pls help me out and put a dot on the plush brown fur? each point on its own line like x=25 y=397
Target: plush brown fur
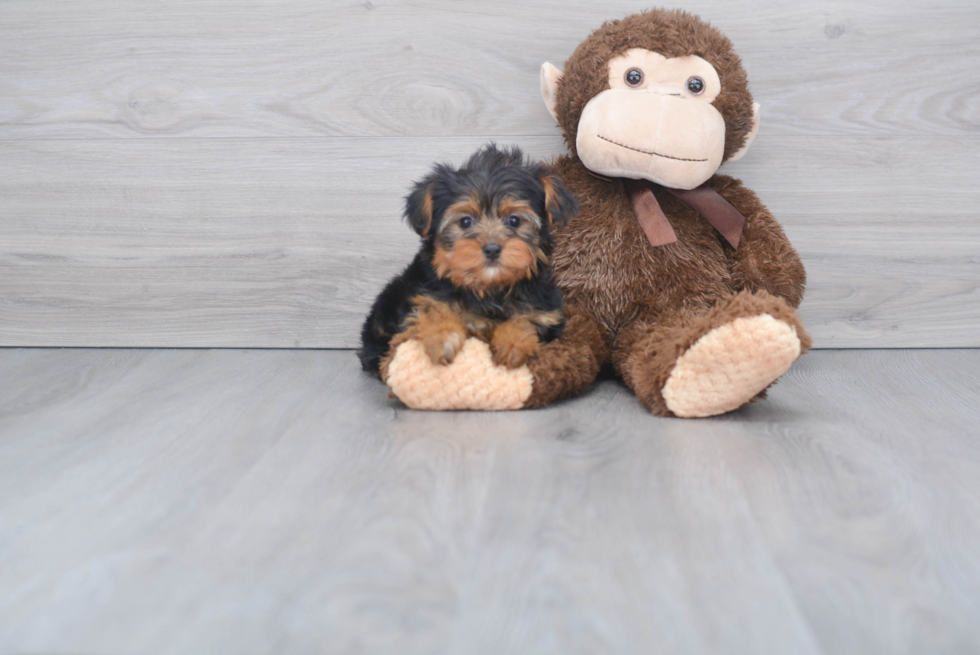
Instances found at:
x=646 y=351
x=642 y=306
x=566 y=366
x=639 y=306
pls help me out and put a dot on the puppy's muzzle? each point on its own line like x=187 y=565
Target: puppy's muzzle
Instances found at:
x=492 y=251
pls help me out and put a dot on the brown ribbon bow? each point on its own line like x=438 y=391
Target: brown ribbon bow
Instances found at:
x=703 y=199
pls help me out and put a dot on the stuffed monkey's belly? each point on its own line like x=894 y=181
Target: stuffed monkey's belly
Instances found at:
x=630 y=278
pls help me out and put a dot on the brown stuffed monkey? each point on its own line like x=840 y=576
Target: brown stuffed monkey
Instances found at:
x=681 y=278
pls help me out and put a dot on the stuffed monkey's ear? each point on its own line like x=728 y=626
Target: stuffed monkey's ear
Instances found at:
x=559 y=203
x=418 y=208
x=549 y=87
x=751 y=135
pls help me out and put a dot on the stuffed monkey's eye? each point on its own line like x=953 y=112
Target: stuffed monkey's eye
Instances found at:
x=634 y=77
x=466 y=222
x=695 y=85
x=513 y=221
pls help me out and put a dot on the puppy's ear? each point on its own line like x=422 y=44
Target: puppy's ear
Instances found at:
x=418 y=207
x=559 y=203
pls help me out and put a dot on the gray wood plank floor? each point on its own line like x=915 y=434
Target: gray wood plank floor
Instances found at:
x=277 y=502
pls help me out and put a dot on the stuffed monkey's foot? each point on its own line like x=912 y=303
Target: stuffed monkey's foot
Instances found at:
x=707 y=363
x=730 y=365
x=471 y=381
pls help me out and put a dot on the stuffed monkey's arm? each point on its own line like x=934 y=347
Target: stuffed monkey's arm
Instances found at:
x=764 y=259
x=562 y=367
x=567 y=366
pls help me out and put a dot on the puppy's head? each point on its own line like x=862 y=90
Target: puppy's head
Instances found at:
x=488 y=224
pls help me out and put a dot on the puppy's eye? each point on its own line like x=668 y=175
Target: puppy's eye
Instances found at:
x=696 y=86
x=466 y=222
x=634 y=77
x=513 y=221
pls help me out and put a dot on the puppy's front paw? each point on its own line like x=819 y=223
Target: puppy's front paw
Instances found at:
x=514 y=343
x=442 y=345
x=513 y=356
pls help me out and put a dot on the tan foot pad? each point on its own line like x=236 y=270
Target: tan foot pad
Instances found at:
x=470 y=382
x=729 y=365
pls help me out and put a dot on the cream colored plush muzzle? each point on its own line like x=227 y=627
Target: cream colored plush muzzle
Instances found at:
x=657 y=134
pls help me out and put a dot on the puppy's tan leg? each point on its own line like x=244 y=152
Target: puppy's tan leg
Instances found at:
x=514 y=342
x=437 y=326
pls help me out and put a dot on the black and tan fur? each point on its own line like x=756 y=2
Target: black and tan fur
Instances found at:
x=483 y=268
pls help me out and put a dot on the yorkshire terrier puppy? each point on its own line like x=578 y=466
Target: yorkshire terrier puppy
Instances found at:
x=483 y=266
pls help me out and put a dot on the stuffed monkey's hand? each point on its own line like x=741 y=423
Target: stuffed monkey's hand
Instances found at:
x=471 y=381
x=560 y=368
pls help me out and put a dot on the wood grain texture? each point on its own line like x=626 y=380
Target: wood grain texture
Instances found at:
x=309 y=68
x=230 y=173
x=285 y=243
x=277 y=501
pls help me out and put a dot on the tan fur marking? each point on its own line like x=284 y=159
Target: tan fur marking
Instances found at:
x=548 y=182
x=437 y=326
x=489 y=231
x=545 y=319
x=462 y=264
x=466 y=207
x=510 y=206
x=427 y=210
x=442 y=260
x=518 y=263
x=478 y=326
x=466 y=267
x=385 y=362
x=514 y=342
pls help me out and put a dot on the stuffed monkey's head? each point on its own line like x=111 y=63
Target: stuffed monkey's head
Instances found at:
x=658 y=96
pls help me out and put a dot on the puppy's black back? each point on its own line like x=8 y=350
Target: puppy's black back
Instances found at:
x=391 y=308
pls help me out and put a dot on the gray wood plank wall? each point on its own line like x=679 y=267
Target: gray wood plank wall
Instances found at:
x=230 y=173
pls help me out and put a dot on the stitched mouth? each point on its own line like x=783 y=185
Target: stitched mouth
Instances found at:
x=646 y=152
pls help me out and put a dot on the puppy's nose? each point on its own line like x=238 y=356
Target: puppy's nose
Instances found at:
x=492 y=250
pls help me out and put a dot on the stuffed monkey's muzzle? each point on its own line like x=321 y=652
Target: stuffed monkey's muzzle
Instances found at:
x=658 y=134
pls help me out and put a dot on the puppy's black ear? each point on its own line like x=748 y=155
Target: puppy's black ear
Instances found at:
x=559 y=203
x=418 y=207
